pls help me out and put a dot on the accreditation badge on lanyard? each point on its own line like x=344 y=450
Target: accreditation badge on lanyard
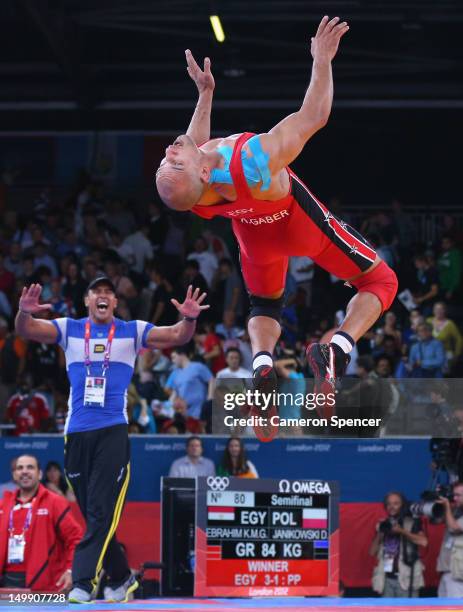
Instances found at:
x=17 y=543
x=95 y=386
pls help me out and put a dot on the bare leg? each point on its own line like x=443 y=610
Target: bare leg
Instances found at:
x=264 y=333
x=362 y=311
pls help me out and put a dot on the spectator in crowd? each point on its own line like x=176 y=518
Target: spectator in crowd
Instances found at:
x=45 y=362
x=28 y=409
x=36 y=553
x=450 y=560
x=74 y=289
x=207 y=261
x=189 y=380
x=163 y=312
x=13 y=263
x=12 y=356
x=399 y=571
x=55 y=481
x=234 y=461
x=302 y=270
x=234 y=369
x=410 y=335
x=427 y=356
x=192 y=276
x=227 y=329
x=118 y=245
x=193 y=463
x=445 y=330
x=449 y=267
x=42 y=258
x=139 y=242
x=10 y=485
x=227 y=290
x=6 y=278
x=123 y=284
x=158 y=226
x=389 y=328
x=426 y=287
x=209 y=347
x=60 y=306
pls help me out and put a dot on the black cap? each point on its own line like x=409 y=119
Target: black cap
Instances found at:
x=101 y=280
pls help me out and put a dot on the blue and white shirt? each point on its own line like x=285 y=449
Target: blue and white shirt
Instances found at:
x=129 y=338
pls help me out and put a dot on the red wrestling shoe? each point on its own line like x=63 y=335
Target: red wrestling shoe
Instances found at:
x=266 y=382
x=328 y=363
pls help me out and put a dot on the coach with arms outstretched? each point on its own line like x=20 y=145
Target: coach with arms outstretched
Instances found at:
x=100 y=355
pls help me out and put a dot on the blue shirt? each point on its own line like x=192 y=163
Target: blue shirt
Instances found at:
x=430 y=353
x=191 y=383
x=129 y=338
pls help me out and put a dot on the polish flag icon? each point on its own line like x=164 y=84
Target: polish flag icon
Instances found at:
x=221 y=513
x=315 y=518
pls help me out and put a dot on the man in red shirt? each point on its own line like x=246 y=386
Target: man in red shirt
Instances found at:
x=27 y=409
x=246 y=178
x=38 y=533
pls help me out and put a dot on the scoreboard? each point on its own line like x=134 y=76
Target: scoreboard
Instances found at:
x=265 y=537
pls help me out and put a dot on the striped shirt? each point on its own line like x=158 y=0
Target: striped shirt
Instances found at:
x=129 y=338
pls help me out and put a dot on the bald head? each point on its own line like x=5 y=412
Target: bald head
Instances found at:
x=179 y=191
x=181 y=175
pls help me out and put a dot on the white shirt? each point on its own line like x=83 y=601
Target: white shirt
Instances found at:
x=239 y=373
x=296 y=263
x=142 y=249
x=185 y=468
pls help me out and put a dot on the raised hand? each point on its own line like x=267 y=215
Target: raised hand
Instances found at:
x=325 y=43
x=203 y=78
x=29 y=300
x=191 y=307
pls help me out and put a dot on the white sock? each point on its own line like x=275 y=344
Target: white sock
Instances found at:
x=262 y=358
x=344 y=341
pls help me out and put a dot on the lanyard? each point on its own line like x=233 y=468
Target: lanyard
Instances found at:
x=107 y=353
x=27 y=522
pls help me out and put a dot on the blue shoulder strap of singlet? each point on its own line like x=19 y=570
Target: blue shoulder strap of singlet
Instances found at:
x=261 y=160
x=255 y=168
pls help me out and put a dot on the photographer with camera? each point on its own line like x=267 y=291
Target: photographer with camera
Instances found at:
x=399 y=572
x=450 y=560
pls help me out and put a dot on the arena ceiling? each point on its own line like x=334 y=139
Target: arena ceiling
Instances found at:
x=113 y=56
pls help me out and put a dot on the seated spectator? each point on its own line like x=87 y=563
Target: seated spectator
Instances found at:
x=162 y=311
x=234 y=461
x=123 y=284
x=389 y=328
x=207 y=261
x=55 y=481
x=447 y=332
x=189 y=380
x=178 y=410
x=395 y=545
x=74 y=289
x=6 y=278
x=39 y=559
x=142 y=249
x=226 y=290
x=139 y=411
x=28 y=409
x=209 y=346
x=426 y=287
x=427 y=356
x=193 y=463
x=13 y=351
x=410 y=335
x=449 y=268
x=43 y=259
x=233 y=359
x=13 y=263
x=123 y=250
x=192 y=276
x=60 y=307
x=227 y=329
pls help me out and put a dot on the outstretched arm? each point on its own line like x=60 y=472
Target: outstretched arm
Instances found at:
x=182 y=332
x=200 y=125
x=286 y=140
x=34 y=329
